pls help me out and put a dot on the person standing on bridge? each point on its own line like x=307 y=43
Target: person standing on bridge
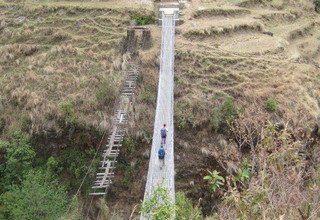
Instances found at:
x=163 y=133
x=161 y=154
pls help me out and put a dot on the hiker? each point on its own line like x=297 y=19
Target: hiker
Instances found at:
x=163 y=132
x=161 y=154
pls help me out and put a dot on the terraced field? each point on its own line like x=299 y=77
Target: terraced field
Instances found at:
x=57 y=52
x=250 y=50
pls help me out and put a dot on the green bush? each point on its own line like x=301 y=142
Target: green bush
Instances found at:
x=106 y=93
x=54 y=166
x=143 y=19
x=222 y=116
x=159 y=206
x=185 y=209
x=216 y=119
x=67 y=108
x=244 y=174
x=184 y=115
x=317 y=5
x=130 y=144
x=271 y=105
x=184 y=121
x=37 y=198
x=18 y=159
x=147 y=96
x=228 y=109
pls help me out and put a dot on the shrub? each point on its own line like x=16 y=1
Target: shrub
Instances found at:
x=147 y=96
x=223 y=116
x=37 y=198
x=185 y=209
x=228 y=109
x=18 y=159
x=184 y=121
x=54 y=166
x=317 y=5
x=159 y=206
x=215 y=180
x=106 y=93
x=67 y=109
x=271 y=105
x=130 y=144
x=216 y=119
x=143 y=19
x=184 y=115
x=244 y=174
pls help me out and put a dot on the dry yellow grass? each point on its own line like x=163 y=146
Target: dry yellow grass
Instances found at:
x=58 y=51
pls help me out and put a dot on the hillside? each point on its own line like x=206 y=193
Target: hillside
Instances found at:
x=247 y=98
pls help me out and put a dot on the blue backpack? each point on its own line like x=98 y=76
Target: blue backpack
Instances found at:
x=161 y=153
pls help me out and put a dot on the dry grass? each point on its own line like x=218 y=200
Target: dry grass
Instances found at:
x=52 y=52
x=221 y=53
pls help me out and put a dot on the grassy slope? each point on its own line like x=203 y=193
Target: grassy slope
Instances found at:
x=221 y=52
x=64 y=50
x=54 y=52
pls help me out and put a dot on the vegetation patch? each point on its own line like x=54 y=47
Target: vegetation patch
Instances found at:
x=143 y=19
x=223 y=116
x=317 y=5
x=271 y=104
x=106 y=93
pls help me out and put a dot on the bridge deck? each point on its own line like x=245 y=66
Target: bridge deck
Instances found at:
x=164 y=113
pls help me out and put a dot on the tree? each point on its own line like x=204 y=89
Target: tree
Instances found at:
x=38 y=197
x=18 y=159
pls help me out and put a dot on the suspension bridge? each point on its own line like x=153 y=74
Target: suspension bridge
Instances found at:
x=164 y=113
x=156 y=177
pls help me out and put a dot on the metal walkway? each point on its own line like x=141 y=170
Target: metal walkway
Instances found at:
x=112 y=149
x=164 y=112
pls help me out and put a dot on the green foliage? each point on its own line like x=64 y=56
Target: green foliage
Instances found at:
x=143 y=19
x=184 y=121
x=271 y=104
x=244 y=173
x=68 y=110
x=125 y=166
x=147 y=96
x=74 y=209
x=18 y=159
x=74 y=163
x=317 y=5
x=228 y=109
x=159 y=206
x=2 y=124
x=37 y=198
x=130 y=145
x=139 y=79
x=216 y=119
x=25 y=122
x=222 y=116
x=106 y=93
x=215 y=180
x=184 y=115
x=185 y=209
x=130 y=171
x=54 y=166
